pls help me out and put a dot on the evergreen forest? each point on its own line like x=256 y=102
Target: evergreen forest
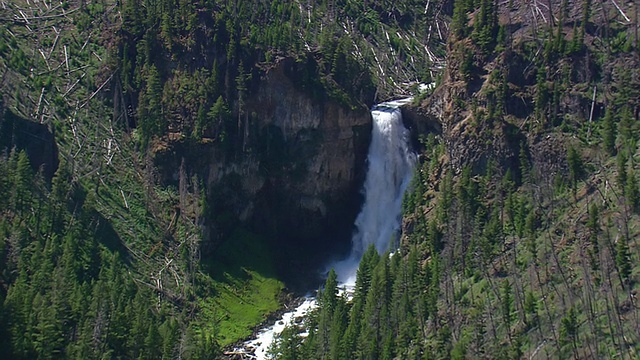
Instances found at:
x=155 y=198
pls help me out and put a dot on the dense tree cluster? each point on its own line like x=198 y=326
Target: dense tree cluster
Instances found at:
x=178 y=58
x=67 y=291
x=389 y=309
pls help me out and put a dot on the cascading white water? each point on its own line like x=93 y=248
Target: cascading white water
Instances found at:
x=391 y=165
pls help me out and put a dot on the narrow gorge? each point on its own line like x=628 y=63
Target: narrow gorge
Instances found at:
x=390 y=166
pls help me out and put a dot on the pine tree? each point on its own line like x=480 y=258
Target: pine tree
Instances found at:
x=150 y=106
x=628 y=131
x=530 y=231
x=434 y=237
x=376 y=312
x=507 y=304
x=5 y=183
x=17 y=307
x=365 y=272
x=531 y=309
x=22 y=182
x=621 y=177
x=594 y=231
x=542 y=96
x=485 y=26
x=338 y=328
x=569 y=327
x=219 y=115
x=132 y=16
x=327 y=301
x=524 y=165
x=241 y=86
x=166 y=28
x=631 y=192
x=363 y=281
x=576 y=168
x=459 y=21
x=288 y=344
x=152 y=343
x=47 y=337
x=623 y=258
x=201 y=119
x=609 y=132
x=59 y=196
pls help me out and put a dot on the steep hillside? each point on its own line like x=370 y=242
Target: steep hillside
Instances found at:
x=520 y=234
x=539 y=131
x=276 y=97
x=165 y=163
x=95 y=259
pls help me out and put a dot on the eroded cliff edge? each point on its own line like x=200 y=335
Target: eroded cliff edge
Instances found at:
x=296 y=178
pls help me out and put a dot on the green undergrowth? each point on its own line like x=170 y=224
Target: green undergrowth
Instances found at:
x=246 y=289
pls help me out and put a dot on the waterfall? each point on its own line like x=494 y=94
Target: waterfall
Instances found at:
x=390 y=168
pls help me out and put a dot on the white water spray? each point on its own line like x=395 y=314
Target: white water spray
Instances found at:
x=391 y=165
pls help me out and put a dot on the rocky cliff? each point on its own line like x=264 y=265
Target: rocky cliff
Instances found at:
x=19 y=134
x=297 y=175
x=501 y=99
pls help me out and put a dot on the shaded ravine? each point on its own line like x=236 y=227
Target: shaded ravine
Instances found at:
x=390 y=168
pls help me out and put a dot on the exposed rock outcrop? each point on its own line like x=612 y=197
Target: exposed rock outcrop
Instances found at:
x=34 y=138
x=297 y=177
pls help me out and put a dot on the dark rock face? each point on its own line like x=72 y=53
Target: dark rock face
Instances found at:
x=422 y=120
x=549 y=156
x=34 y=138
x=297 y=177
x=317 y=165
x=475 y=145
